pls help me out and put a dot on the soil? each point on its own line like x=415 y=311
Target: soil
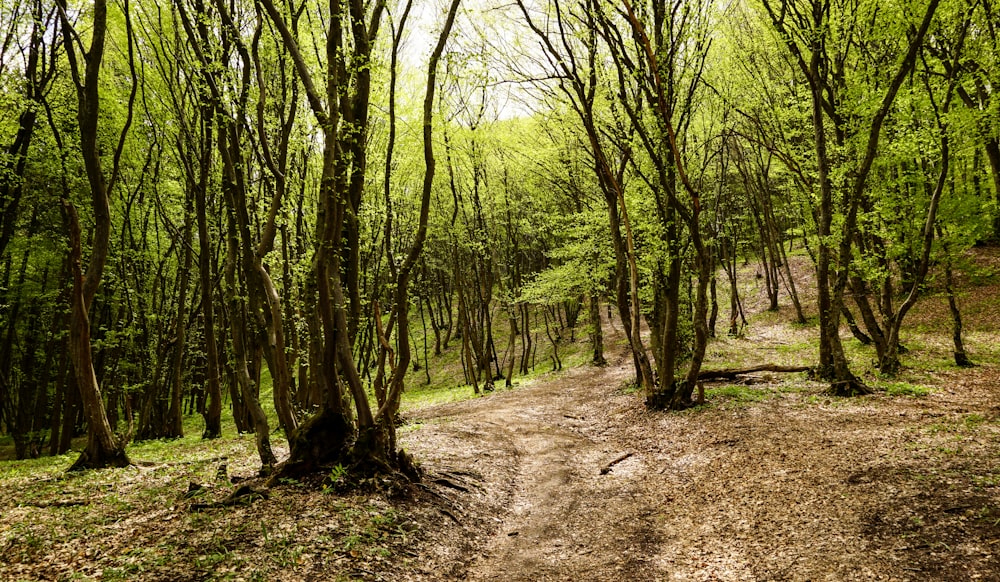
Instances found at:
x=797 y=486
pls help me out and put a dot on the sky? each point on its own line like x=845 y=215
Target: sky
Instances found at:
x=485 y=35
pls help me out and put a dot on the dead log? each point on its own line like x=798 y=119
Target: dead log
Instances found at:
x=732 y=373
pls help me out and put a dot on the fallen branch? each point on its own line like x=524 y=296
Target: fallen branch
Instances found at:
x=61 y=503
x=732 y=373
x=607 y=468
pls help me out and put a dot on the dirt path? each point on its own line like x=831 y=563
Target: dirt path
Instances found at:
x=565 y=520
x=788 y=486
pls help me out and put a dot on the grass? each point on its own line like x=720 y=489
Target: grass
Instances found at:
x=167 y=541
x=961 y=427
x=737 y=394
x=903 y=389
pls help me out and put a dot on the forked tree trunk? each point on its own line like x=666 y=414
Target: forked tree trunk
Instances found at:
x=812 y=60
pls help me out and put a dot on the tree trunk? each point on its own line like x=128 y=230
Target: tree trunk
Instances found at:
x=713 y=316
x=103 y=448
x=992 y=147
x=596 y=331
x=961 y=358
x=247 y=388
x=700 y=317
x=213 y=371
x=175 y=414
x=853 y=325
x=511 y=346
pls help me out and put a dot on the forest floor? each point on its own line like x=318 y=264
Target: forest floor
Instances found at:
x=569 y=477
x=774 y=481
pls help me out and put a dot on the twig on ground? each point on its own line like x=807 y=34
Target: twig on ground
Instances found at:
x=607 y=468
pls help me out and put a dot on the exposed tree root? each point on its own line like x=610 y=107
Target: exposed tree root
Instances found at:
x=667 y=400
x=849 y=388
x=449 y=483
x=327 y=451
x=100 y=460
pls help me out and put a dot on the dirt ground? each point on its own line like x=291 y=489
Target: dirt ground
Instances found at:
x=795 y=486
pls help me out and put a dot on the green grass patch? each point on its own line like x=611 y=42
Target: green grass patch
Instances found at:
x=420 y=396
x=737 y=394
x=904 y=389
x=441 y=379
x=967 y=424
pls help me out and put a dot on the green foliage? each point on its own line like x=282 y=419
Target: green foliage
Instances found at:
x=583 y=265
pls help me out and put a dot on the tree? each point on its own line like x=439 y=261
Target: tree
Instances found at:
x=103 y=447
x=807 y=30
x=342 y=115
x=569 y=42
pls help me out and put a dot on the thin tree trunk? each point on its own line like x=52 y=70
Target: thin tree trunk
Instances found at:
x=556 y=362
x=853 y=325
x=213 y=371
x=247 y=389
x=596 y=331
x=175 y=418
x=961 y=358
x=511 y=346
